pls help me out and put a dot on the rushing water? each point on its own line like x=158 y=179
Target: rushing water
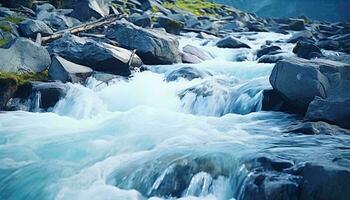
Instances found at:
x=148 y=138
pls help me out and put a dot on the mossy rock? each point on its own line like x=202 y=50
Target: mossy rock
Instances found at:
x=196 y=7
x=14 y=19
x=3 y=42
x=23 y=78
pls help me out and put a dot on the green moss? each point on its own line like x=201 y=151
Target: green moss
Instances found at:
x=22 y=79
x=197 y=7
x=3 y=42
x=155 y=9
x=14 y=19
x=6 y=28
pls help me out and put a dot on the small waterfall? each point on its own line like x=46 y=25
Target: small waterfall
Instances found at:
x=36 y=102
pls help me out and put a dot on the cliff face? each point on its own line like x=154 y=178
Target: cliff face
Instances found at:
x=325 y=10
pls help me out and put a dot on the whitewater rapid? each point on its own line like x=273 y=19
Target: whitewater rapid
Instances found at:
x=137 y=139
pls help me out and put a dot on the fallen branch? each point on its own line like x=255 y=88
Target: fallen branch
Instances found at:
x=84 y=27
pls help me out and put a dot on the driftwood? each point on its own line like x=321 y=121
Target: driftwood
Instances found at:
x=200 y=30
x=84 y=27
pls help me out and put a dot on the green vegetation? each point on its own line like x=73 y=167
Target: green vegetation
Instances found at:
x=197 y=7
x=3 y=42
x=14 y=19
x=24 y=78
x=6 y=28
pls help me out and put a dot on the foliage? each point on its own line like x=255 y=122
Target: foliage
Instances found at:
x=14 y=19
x=24 y=78
x=6 y=28
x=197 y=7
x=3 y=42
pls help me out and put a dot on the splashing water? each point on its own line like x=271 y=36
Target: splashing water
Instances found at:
x=146 y=138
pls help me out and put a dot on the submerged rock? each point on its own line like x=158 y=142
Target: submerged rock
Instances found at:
x=270 y=50
x=231 y=42
x=154 y=47
x=188 y=73
x=65 y=71
x=317 y=128
x=23 y=55
x=96 y=55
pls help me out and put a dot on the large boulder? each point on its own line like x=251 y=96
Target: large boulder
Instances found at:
x=335 y=111
x=30 y=28
x=154 y=47
x=299 y=81
x=66 y=71
x=307 y=50
x=96 y=55
x=231 y=42
x=86 y=9
x=295 y=25
x=305 y=36
x=23 y=55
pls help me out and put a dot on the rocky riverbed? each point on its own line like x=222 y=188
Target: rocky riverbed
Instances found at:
x=172 y=99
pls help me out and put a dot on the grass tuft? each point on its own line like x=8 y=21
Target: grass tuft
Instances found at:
x=14 y=19
x=22 y=79
x=196 y=7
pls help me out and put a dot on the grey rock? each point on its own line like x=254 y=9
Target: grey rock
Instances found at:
x=335 y=111
x=23 y=55
x=96 y=55
x=86 y=9
x=271 y=58
x=201 y=54
x=317 y=128
x=65 y=71
x=270 y=50
x=57 y=20
x=295 y=25
x=305 y=36
x=273 y=101
x=190 y=58
x=30 y=28
x=231 y=42
x=8 y=88
x=154 y=47
x=299 y=81
x=141 y=20
x=44 y=7
x=307 y=50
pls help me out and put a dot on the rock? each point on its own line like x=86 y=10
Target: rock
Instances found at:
x=44 y=7
x=305 y=36
x=141 y=20
x=50 y=93
x=271 y=58
x=96 y=55
x=307 y=50
x=231 y=42
x=23 y=55
x=188 y=73
x=270 y=50
x=195 y=51
x=206 y=36
x=335 y=111
x=299 y=81
x=154 y=47
x=190 y=58
x=57 y=20
x=273 y=101
x=323 y=182
x=296 y=25
x=328 y=44
x=5 y=12
x=17 y=3
x=65 y=71
x=317 y=128
x=8 y=87
x=86 y=9
x=30 y=28
x=171 y=26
